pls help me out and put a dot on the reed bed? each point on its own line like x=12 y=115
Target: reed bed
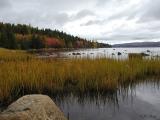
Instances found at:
x=14 y=55
x=22 y=73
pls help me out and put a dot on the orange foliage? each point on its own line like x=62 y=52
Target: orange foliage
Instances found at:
x=53 y=42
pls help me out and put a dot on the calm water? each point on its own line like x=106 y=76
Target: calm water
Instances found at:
x=139 y=102
x=112 y=52
x=104 y=52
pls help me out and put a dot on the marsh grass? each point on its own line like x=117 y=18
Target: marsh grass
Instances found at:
x=22 y=73
x=14 y=55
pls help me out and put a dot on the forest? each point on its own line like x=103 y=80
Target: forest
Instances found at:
x=24 y=37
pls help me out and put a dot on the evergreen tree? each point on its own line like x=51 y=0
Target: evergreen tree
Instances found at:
x=11 y=43
x=4 y=39
x=1 y=42
x=36 y=42
x=27 y=37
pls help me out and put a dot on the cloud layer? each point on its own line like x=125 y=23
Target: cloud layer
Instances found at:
x=113 y=21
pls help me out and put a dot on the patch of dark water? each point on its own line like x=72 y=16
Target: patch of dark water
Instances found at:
x=137 y=102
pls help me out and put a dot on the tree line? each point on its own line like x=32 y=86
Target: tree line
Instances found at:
x=27 y=37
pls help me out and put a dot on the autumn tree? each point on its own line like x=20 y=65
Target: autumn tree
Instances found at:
x=18 y=36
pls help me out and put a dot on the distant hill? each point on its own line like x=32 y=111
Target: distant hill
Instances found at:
x=138 y=44
x=27 y=37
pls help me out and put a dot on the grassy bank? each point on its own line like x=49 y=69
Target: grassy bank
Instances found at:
x=21 y=73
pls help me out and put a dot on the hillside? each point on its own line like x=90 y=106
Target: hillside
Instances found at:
x=27 y=37
x=139 y=44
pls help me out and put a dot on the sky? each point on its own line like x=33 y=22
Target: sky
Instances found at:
x=109 y=21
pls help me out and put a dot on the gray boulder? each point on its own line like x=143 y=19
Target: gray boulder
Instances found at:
x=33 y=107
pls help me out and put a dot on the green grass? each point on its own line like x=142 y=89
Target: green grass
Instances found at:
x=22 y=73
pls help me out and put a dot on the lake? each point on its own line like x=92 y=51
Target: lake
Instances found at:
x=139 y=102
x=116 y=53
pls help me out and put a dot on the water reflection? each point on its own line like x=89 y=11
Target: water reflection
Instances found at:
x=139 y=101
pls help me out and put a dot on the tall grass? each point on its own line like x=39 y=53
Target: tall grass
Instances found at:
x=22 y=73
x=13 y=55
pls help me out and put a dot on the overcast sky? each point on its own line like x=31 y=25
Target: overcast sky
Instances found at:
x=112 y=21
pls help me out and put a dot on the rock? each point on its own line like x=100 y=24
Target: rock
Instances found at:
x=33 y=107
x=76 y=53
x=73 y=53
x=119 y=53
x=148 y=51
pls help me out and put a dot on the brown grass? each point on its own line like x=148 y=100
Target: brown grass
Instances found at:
x=22 y=73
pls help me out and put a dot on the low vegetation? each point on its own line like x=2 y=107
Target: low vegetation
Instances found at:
x=22 y=73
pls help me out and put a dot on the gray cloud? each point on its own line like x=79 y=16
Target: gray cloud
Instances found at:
x=83 y=13
x=150 y=11
x=102 y=2
x=129 y=14
x=4 y=4
x=118 y=38
x=93 y=22
x=60 y=18
x=108 y=19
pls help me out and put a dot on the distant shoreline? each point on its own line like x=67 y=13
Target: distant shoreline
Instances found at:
x=137 y=44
